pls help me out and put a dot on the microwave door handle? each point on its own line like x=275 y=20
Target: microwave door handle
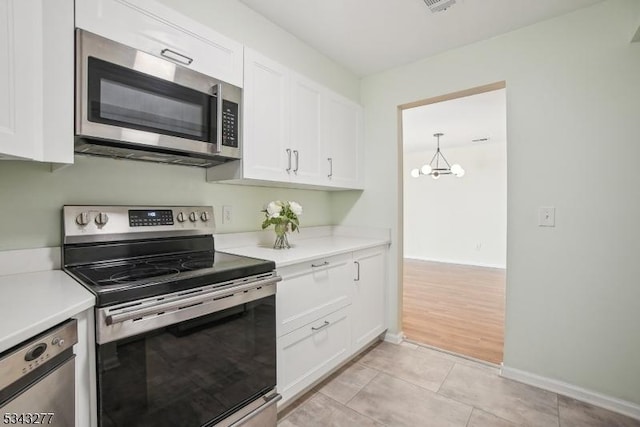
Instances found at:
x=217 y=91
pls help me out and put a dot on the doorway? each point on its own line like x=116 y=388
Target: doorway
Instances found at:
x=454 y=223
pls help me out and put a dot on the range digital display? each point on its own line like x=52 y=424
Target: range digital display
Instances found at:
x=145 y=218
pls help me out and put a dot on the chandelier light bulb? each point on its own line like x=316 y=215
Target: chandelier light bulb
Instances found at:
x=426 y=169
x=460 y=173
x=435 y=175
x=456 y=169
x=415 y=172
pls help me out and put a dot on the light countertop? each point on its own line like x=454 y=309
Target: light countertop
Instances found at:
x=31 y=303
x=304 y=250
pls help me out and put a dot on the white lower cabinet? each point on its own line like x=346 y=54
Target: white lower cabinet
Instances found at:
x=308 y=353
x=368 y=306
x=327 y=311
x=311 y=290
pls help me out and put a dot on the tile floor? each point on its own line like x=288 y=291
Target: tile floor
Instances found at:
x=409 y=385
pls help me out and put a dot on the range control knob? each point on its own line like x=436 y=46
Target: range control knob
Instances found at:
x=193 y=217
x=83 y=218
x=180 y=217
x=57 y=341
x=205 y=216
x=102 y=218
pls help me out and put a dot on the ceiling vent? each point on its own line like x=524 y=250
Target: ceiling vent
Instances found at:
x=439 y=5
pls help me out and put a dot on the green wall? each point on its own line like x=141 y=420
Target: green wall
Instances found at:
x=573 y=97
x=31 y=196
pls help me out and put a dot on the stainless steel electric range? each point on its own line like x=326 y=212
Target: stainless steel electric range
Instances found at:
x=185 y=335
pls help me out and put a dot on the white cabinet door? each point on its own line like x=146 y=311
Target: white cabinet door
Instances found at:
x=310 y=352
x=266 y=154
x=368 y=308
x=297 y=132
x=36 y=80
x=18 y=72
x=159 y=30
x=306 y=108
x=342 y=139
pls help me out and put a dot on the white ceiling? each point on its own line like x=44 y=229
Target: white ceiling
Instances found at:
x=460 y=120
x=368 y=36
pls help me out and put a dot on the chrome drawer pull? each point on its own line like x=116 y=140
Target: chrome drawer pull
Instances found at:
x=330 y=167
x=320 y=265
x=324 y=325
x=175 y=56
x=288 y=150
x=357 y=279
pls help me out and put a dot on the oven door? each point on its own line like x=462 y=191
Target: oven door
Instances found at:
x=194 y=372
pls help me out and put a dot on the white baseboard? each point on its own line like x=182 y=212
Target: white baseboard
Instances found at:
x=597 y=399
x=394 y=338
x=456 y=261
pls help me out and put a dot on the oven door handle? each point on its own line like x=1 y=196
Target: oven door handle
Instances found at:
x=185 y=302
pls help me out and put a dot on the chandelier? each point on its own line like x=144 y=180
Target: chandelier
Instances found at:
x=438 y=165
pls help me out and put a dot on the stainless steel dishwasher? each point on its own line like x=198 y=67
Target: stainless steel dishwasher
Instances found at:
x=37 y=379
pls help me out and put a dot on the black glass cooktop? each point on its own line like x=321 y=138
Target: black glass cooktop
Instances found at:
x=127 y=280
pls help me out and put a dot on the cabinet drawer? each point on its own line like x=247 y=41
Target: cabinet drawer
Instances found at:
x=312 y=290
x=153 y=27
x=308 y=353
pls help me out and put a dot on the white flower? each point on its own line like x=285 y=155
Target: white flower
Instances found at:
x=295 y=208
x=274 y=209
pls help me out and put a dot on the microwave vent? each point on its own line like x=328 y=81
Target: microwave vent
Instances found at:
x=439 y=5
x=112 y=149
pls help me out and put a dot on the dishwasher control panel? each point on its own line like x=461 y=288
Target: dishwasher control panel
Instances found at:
x=33 y=353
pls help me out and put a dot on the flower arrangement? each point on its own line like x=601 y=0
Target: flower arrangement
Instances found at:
x=282 y=215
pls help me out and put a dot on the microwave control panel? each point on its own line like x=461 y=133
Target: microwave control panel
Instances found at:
x=229 y=124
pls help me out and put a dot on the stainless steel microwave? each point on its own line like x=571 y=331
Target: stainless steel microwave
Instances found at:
x=139 y=106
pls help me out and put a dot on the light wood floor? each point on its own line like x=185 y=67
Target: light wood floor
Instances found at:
x=459 y=308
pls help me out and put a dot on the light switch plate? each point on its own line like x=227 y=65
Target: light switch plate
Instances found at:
x=227 y=214
x=547 y=217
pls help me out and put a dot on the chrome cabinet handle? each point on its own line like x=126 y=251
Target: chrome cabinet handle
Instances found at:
x=320 y=265
x=330 y=167
x=217 y=91
x=324 y=325
x=357 y=279
x=175 y=56
x=295 y=153
x=288 y=150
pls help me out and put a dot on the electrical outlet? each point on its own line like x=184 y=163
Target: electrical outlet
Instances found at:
x=547 y=217
x=227 y=214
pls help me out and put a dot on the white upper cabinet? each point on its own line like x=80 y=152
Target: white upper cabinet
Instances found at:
x=297 y=133
x=265 y=120
x=156 y=29
x=36 y=80
x=281 y=137
x=341 y=141
x=306 y=123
